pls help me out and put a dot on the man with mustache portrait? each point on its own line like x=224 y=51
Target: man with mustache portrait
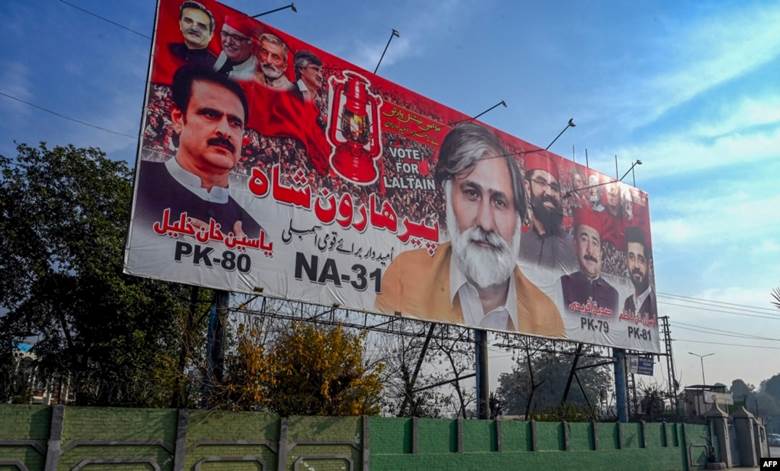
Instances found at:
x=474 y=279
x=585 y=291
x=546 y=244
x=196 y=24
x=272 y=63
x=641 y=304
x=208 y=118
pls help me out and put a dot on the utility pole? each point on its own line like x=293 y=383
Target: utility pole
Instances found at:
x=483 y=384
x=701 y=359
x=671 y=377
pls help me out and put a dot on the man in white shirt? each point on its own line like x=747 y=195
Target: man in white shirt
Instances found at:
x=272 y=67
x=237 y=59
x=474 y=279
x=308 y=75
x=196 y=24
x=208 y=117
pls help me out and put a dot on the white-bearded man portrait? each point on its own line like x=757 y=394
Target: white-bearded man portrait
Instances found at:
x=474 y=279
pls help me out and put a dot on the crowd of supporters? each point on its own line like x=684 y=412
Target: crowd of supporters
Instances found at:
x=420 y=205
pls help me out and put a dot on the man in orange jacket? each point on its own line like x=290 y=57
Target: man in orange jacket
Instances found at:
x=474 y=279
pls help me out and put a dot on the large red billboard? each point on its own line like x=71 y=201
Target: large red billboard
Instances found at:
x=268 y=165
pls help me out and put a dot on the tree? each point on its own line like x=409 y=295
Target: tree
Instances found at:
x=402 y=394
x=460 y=359
x=771 y=387
x=652 y=402
x=306 y=370
x=764 y=404
x=537 y=382
x=741 y=390
x=117 y=338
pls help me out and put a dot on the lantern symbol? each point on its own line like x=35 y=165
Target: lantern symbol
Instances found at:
x=353 y=129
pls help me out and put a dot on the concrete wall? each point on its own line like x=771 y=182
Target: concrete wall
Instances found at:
x=75 y=438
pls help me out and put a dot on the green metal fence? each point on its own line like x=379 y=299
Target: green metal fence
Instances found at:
x=76 y=438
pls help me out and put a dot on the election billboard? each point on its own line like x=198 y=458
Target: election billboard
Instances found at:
x=269 y=165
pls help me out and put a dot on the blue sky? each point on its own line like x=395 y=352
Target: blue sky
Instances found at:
x=690 y=88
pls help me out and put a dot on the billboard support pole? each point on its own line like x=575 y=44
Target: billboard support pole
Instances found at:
x=617 y=173
x=408 y=395
x=584 y=394
x=621 y=403
x=217 y=350
x=572 y=372
x=483 y=385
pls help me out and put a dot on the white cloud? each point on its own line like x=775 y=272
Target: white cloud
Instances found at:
x=717 y=220
x=747 y=113
x=690 y=60
x=674 y=230
x=367 y=55
x=685 y=152
x=413 y=31
x=717 y=50
x=766 y=246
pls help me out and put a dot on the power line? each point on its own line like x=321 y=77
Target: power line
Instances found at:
x=728 y=332
x=692 y=299
x=768 y=312
x=726 y=344
x=692 y=329
x=733 y=313
x=68 y=118
x=696 y=305
x=705 y=330
x=118 y=25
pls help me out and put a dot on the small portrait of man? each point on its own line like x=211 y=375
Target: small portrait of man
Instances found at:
x=208 y=118
x=614 y=219
x=577 y=180
x=196 y=24
x=308 y=75
x=585 y=291
x=578 y=184
x=546 y=244
x=474 y=279
x=237 y=59
x=594 y=193
x=612 y=192
x=641 y=303
x=272 y=67
x=627 y=204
